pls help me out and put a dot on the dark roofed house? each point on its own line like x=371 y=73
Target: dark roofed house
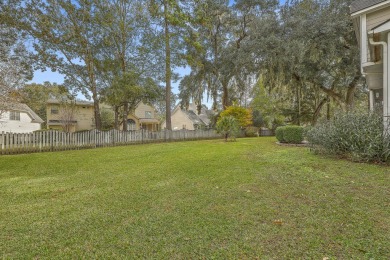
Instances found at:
x=359 y=5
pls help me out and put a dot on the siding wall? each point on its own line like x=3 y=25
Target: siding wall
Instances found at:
x=142 y=108
x=23 y=126
x=179 y=118
x=84 y=115
x=85 y=118
x=376 y=18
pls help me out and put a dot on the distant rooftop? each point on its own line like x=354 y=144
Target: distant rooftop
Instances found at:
x=202 y=118
x=78 y=102
x=359 y=5
x=24 y=108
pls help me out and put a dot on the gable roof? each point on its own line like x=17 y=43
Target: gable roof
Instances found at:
x=385 y=26
x=192 y=113
x=24 y=108
x=359 y=5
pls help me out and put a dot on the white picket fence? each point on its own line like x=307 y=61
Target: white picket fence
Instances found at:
x=41 y=141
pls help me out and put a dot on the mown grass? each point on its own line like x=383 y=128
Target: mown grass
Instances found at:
x=206 y=199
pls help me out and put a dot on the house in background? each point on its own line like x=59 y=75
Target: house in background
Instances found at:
x=19 y=118
x=76 y=116
x=371 y=20
x=79 y=116
x=189 y=118
x=143 y=117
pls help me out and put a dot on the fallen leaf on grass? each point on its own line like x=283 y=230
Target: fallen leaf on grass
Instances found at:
x=278 y=222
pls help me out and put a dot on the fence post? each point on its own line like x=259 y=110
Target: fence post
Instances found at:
x=2 y=142
x=113 y=137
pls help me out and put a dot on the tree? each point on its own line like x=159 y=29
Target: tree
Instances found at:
x=313 y=52
x=36 y=95
x=270 y=104
x=221 y=67
x=228 y=126
x=242 y=115
x=66 y=115
x=169 y=15
x=15 y=65
x=108 y=119
x=66 y=39
x=127 y=91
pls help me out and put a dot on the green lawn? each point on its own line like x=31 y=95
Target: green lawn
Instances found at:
x=203 y=199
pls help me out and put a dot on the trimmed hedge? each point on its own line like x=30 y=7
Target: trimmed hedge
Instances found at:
x=279 y=133
x=292 y=134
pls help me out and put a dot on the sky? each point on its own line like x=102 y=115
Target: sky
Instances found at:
x=55 y=77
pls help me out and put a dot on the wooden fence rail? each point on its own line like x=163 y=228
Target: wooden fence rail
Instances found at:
x=41 y=141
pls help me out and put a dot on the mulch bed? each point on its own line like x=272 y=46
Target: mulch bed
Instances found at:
x=303 y=144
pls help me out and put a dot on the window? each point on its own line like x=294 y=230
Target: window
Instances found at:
x=14 y=115
x=54 y=110
x=130 y=124
x=148 y=114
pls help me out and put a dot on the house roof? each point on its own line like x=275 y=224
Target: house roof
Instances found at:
x=24 y=108
x=78 y=102
x=192 y=113
x=359 y=5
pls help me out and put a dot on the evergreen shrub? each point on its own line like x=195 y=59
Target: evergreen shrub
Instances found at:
x=356 y=135
x=293 y=134
x=279 y=133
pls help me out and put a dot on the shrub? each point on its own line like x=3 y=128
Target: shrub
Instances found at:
x=279 y=133
x=252 y=131
x=228 y=126
x=293 y=134
x=358 y=136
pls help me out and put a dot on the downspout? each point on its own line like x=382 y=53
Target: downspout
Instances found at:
x=386 y=83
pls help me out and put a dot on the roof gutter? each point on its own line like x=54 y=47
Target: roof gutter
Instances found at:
x=386 y=81
x=370 y=9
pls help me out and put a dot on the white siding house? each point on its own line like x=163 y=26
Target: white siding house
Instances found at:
x=372 y=26
x=19 y=118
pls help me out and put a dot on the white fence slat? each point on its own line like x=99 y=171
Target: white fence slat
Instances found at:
x=52 y=140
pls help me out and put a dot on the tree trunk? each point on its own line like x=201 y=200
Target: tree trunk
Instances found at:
x=96 y=108
x=92 y=82
x=168 y=72
x=125 y=114
x=298 y=104
x=318 y=110
x=225 y=95
x=350 y=97
x=116 y=115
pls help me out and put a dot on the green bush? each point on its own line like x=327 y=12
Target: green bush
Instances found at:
x=293 y=134
x=252 y=131
x=228 y=126
x=279 y=133
x=358 y=136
